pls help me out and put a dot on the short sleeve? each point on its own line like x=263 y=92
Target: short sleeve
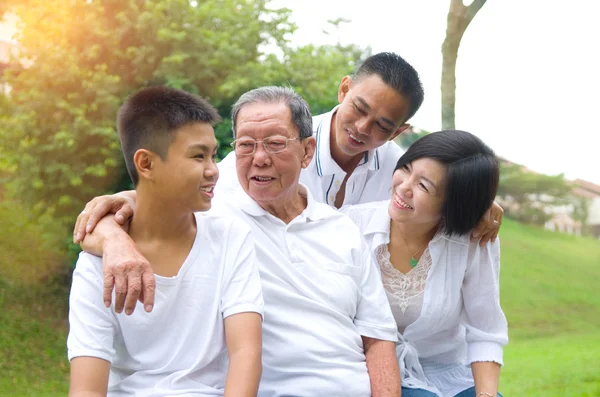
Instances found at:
x=242 y=291
x=374 y=317
x=485 y=323
x=92 y=326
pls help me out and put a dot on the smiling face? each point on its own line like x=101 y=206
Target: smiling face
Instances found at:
x=266 y=177
x=187 y=176
x=370 y=114
x=418 y=193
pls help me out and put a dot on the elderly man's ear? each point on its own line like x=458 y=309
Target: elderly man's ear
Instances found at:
x=309 y=145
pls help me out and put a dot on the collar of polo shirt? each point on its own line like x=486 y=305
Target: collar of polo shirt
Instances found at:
x=312 y=212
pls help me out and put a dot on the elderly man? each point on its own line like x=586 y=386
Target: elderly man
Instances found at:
x=328 y=329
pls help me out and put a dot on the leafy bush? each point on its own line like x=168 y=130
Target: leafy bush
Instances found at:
x=32 y=249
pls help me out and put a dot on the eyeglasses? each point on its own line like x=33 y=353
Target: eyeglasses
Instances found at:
x=272 y=144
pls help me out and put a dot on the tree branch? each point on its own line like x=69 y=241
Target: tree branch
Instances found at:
x=473 y=8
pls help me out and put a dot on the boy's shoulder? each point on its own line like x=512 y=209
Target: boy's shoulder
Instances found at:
x=89 y=263
x=218 y=226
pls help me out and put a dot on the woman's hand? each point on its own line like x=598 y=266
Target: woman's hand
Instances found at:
x=489 y=225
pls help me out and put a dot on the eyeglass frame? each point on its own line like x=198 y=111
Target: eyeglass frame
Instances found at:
x=287 y=141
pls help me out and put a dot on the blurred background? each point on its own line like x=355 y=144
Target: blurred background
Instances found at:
x=522 y=75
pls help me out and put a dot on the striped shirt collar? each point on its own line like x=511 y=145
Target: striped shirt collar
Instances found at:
x=325 y=164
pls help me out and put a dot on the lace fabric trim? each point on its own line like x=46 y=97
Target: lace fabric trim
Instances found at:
x=403 y=286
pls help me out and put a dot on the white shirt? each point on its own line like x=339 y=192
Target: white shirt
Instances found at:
x=178 y=348
x=461 y=320
x=370 y=181
x=321 y=293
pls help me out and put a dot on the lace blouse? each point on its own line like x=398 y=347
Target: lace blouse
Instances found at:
x=404 y=290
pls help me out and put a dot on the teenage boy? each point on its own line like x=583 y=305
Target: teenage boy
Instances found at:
x=203 y=336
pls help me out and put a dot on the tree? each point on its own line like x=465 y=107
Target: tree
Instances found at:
x=528 y=196
x=459 y=18
x=581 y=211
x=58 y=142
x=87 y=56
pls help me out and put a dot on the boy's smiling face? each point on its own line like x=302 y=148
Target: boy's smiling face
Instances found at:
x=187 y=176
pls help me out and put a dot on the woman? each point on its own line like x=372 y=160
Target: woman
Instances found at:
x=443 y=288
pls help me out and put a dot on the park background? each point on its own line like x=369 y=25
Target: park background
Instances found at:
x=527 y=84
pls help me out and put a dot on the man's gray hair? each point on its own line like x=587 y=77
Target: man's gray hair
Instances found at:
x=301 y=116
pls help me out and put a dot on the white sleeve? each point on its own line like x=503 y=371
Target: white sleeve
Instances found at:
x=228 y=179
x=484 y=320
x=374 y=317
x=242 y=291
x=92 y=325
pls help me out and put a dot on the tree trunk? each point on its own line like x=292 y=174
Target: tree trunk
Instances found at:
x=459 y=18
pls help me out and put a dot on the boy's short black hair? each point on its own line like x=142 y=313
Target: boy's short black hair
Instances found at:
x=472 y=175
x=149 y=118
x=396 y=73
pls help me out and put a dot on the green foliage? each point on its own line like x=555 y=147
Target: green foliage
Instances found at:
x=314 y=72
x=30 y=246
x=529 y=196
x=58 y=133
x=581 y=209
x=58 y=142
x=407 y=138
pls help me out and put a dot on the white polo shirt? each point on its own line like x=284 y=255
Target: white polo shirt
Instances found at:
x=322 y=292
x=370 y=181
x=178 y=348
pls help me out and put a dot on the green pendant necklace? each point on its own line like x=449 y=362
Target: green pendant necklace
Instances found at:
x=413 y=261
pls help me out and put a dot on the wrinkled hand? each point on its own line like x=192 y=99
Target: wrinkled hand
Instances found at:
x=97 y=208
x=131 y=275
x=489 y=225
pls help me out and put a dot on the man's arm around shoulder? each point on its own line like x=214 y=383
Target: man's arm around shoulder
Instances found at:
x=123 y=266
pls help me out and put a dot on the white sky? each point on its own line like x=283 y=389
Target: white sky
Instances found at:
x=528 y=71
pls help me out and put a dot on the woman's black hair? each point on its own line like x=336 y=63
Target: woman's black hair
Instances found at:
x=472 y=175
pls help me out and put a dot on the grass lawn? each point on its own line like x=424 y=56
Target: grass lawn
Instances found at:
x=558 y=366
x=33 y=332
x=549 y=292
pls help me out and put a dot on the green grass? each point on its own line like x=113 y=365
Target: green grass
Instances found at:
x=558 y=366
x=549 y=292
x=549 y=282
x=33 y=331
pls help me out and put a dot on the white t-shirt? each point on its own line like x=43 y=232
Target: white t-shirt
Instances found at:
x=370 y=181
x=321 y=292
x=179 y=348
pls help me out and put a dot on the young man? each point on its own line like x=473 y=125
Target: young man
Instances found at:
x=203 y=337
